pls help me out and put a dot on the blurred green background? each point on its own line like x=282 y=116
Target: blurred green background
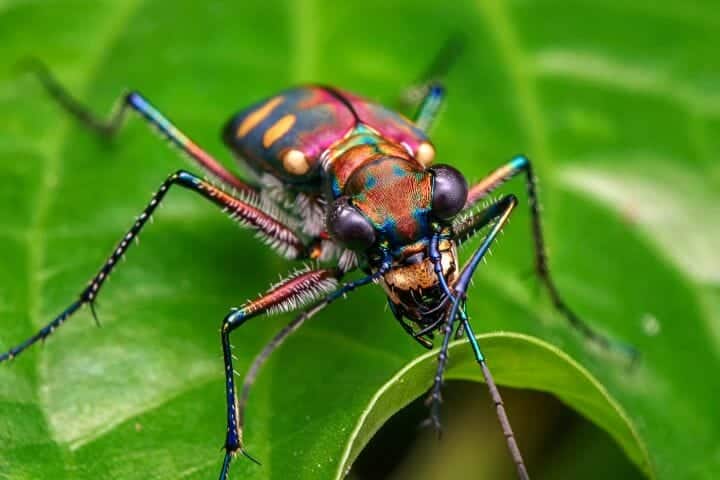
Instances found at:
x=617 y=103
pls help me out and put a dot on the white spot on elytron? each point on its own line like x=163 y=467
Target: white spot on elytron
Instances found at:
x=650 y=324
x=425 y=154
x=295 y=162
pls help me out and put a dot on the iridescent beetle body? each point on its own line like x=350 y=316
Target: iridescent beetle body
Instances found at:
x=348 y=183
x=326 y=143
x=309 y=120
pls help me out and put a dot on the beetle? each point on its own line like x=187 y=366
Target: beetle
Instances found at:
x=350 y=184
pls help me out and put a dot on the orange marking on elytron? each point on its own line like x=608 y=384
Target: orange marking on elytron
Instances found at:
x=280 y=128
x=253 y=119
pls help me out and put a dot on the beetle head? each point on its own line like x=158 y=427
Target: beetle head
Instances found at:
x=395 y=205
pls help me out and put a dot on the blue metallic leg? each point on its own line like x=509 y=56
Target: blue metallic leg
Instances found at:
x=294 y=291
x=430 y=107
x=522 y=165
x=497 y=401
x=135 y=101
x=500 y=212
x=436 y=259
x=243 y=212
x=301 y=289
x=435 y=72
x=260 y=359
x=503 y=209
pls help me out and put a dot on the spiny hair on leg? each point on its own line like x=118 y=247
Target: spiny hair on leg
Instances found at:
x=305 y=293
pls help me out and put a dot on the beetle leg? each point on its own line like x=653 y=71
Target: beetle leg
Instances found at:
x=502 y=210
x=260 y=359
x=485 y=187
x=430 y=107
x=296 y=290
x=299 y=289
x=109 y=127
x=519 y=164
x=499 y=212
x=468 y=226
x=274 y=231
x=497 y=400
x=444 y=60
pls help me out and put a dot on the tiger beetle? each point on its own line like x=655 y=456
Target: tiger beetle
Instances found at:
x=350 y=184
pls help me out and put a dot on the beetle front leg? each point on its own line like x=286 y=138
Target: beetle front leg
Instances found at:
x=299 y=289
x=498 y=214
x=295 y=291
x=430 y=107
x=260 y=359
x=481 y=190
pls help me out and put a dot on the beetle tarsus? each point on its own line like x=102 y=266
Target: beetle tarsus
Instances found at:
x=93 y=311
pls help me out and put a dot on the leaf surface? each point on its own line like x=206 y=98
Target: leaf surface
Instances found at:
x=617 y=104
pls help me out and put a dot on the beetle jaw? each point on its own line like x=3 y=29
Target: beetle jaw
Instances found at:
x=412 y=284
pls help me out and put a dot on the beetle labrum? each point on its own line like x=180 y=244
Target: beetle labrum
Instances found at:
x=351 y=184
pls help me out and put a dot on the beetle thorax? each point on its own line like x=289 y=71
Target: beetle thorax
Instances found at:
x=361 y=146
x=383 y=181
x=395 y=195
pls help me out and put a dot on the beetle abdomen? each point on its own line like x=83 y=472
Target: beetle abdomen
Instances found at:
x=285 y=135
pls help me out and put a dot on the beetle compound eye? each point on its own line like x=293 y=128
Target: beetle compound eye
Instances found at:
x=450 y=192
x=349 y=227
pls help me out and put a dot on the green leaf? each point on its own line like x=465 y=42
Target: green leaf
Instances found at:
x=519 y=361
x=617 y=104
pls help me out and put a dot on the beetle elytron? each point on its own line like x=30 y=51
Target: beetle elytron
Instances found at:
x=348 y=183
